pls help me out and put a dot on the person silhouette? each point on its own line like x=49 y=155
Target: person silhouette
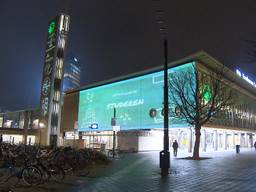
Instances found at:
x=175 y=146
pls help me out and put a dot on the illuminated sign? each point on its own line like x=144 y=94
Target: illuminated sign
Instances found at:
x=133 y=100
x=116 y=128
x=245 y=77
x=51 y=88
x=49 y=66
x=207 y=92
x=94 y=126
x=51 y=27
x=71 y=135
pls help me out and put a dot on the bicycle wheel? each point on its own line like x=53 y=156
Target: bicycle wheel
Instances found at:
x=110 y=154
x=44 y=173
x=119 y=154
x=116 y=154
x=31 y=176
x=83 y=172
x=4 y=174
x=57 y=173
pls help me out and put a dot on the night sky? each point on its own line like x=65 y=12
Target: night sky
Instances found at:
x=117 y=37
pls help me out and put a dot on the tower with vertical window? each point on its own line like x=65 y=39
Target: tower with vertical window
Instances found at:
x=51 y=89
x=72 y=71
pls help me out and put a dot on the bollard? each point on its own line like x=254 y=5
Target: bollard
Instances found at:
x=237 y=149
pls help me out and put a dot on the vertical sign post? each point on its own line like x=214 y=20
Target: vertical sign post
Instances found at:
x=51 y=89
x=113 y=123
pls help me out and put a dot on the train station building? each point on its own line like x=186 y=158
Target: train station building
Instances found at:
x=88 y=112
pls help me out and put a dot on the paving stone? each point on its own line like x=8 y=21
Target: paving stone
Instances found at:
x=224 y=172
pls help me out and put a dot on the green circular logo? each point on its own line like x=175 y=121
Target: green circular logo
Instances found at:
x=51 y=27
x=207 y=92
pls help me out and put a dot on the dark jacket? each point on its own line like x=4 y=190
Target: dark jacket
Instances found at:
x=175 y=145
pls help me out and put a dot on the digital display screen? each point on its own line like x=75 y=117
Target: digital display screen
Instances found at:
x=138 y=102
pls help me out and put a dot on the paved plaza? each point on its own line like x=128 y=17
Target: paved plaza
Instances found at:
x=225 y=171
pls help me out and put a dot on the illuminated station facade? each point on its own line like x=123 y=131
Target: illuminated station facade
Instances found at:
x=88 y=112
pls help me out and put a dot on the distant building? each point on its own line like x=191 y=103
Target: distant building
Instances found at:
x=21 y=126
x=72 y=71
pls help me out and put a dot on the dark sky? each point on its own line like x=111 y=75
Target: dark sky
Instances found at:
x=117 y=37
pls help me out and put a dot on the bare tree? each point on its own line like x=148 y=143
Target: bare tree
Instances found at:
x=198 y=95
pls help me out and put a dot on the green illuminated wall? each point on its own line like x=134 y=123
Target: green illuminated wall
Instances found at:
x=132 y=98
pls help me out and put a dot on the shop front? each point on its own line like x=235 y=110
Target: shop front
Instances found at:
x=18 y=139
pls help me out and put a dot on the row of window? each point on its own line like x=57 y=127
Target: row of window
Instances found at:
x=19 y=120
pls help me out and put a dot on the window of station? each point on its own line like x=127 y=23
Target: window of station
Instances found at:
x=34 y=124
x=11 y=120
x=1 y=121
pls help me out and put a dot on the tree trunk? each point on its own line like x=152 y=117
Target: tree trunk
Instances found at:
x=197 y=142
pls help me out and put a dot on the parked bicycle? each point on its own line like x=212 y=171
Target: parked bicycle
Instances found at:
x=73 y=162
x=49 y=169
x=115 y=153
x=29 y=174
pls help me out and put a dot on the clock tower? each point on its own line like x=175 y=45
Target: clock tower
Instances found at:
x=51 y=89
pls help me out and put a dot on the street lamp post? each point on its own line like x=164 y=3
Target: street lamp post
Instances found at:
x=164 y=155
x=113 y=123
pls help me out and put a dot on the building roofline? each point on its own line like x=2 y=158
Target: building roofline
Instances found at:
x=212 y=63
x=131 y=75
x=20 y=110
x=201 y=57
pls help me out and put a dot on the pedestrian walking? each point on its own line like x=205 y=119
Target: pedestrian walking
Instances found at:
x=1 y=139
x=175 y=146
x=255 y=145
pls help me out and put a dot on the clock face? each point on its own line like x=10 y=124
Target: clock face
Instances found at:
x=46 y=86
x=45 y=102
x=48 y=69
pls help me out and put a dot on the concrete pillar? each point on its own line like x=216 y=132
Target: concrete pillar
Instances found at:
x=26 y=126
x=190 y=140
x=225 y=140
x=251 y=140
x=204 y=139
x=215 y=140
x=178 y=135
x=234 y=140
x=246 y=139
x=240 y=139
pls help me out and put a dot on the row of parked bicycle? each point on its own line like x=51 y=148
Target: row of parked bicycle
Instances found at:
x=36 y=165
